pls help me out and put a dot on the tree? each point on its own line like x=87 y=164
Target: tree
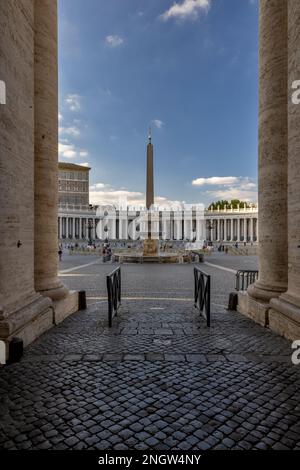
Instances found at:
x=235 y=203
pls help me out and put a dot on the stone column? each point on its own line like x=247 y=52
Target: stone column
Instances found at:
x=46 y=153
x=251 y=230
x=219 y=230
x=231 y=229
x=113 y=228
x=284 y=317
x=94 y=229
x=177 y=226
x=60 y=228
x=272 y=180
x=23 y=312
x=77 y=228
x=225 y=230
x=80 y=228
x=86 y=229
x=124 y=225
x=199 y=234
x=238 y=230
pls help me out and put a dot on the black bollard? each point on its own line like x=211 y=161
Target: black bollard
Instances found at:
x=81 y=300
x=15 y=350
x=233 y=301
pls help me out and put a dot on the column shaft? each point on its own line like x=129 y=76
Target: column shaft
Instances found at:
x=46 y=153
x=289 y=302
x=17 y=166
x=272 y=180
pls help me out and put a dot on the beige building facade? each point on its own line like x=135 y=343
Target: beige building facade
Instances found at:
x=73 y=185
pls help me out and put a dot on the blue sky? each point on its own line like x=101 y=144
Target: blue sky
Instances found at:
x=188 y=68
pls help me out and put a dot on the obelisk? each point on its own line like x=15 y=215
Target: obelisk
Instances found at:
x=150 y=182
x=150 y=244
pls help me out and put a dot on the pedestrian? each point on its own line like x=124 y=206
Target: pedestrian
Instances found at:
x=60 y=253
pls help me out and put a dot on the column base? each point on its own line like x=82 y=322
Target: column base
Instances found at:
x=65 y=307
x=264 y=293
x=58 y=293
x=254 y=309
x=284 y=317
x=35 y=317
x=27 y=322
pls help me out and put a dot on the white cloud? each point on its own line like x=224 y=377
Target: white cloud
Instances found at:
x=114 y=40
x=186 y=9
x=70 y=151
x=234 y=193
x=84 y=164
x=97 y=186
x=67 y=150
x=73 y=101
x=216 y=181
x=101 y=193
x=229 y=187
x=158 y=123
x=73 y=131
x=60 y=117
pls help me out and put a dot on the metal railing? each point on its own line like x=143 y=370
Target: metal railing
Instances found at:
x=244 y=278
x=202 y=293
x=113 y=283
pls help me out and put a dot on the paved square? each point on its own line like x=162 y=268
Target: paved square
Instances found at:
x=159 y=379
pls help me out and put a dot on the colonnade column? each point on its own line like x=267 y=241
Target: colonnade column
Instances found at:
x=60 y=227
x=46 y=153
x=219 y=230
x=251 y=230
x=21 y=307
x=86 y=229
x=272 y=179
x=289 y=302
x=80 y=228
x=94 y=229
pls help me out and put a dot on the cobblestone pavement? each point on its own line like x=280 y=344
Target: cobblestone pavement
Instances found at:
x=159 y=379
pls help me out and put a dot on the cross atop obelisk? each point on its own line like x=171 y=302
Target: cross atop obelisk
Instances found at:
x=150 y=182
